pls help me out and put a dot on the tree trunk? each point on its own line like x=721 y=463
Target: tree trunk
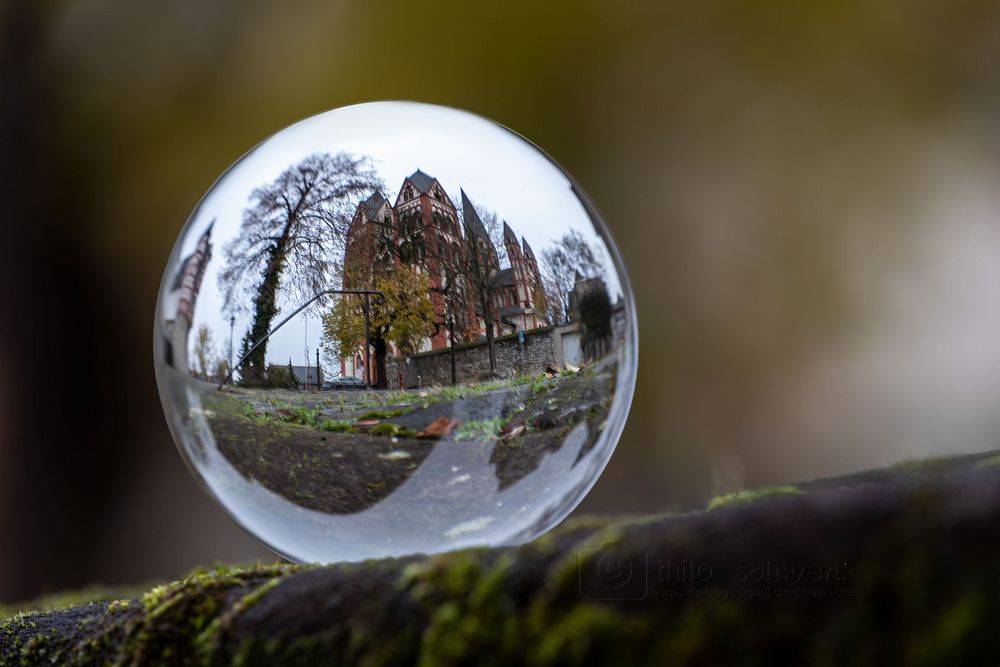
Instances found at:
x=484 y=303
x=381 y=350
x=904 y=571
x=265 y=309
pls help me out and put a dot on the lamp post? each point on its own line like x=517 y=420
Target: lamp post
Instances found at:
x=232 y=324
x=367 y=294
x=451 y=346
x=368 y=367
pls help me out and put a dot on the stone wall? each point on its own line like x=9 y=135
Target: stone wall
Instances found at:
x=542 y=348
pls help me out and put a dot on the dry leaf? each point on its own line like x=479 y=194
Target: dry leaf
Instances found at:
x=438 y=428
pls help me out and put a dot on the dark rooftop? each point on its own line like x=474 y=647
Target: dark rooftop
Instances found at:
x=421 y=180
x=508 y=233
x=503 y=278
x=473 y=223
x=527 y=248
x=374 y=203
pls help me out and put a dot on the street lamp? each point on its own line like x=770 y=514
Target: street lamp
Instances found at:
x=232 y=323
x=367 y=294
x=451 y=346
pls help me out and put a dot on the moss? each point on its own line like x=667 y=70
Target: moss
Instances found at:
x=459 y=392
x=388 y=429
x=340 y=426
x=476 y=621
x=68 y=599
x=751 y=495
x=385 y=414
x=208 y=640
x=195 y=608
x=951 y=631
x=480 y=430
x=565 y=575
x=990 y=462
x=117 y=605
x=577 y=637
x=921 y=557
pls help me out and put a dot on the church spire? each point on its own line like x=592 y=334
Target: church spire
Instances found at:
x=473 y=224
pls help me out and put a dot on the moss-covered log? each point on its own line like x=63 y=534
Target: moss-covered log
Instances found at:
x=904 y=571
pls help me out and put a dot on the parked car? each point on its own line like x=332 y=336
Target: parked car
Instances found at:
x=346 y=383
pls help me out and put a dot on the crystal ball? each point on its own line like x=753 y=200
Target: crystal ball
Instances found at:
x=395 y=328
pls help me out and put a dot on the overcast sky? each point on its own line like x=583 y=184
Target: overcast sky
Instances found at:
x=497 y=169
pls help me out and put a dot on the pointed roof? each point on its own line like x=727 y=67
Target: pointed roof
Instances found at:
x=473 y=223
x=374 y=203
x=508 y=234
x=421 y=180
x=527 y=248
x=474 y=228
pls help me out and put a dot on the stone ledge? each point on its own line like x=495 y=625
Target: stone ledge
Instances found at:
x=905 y=571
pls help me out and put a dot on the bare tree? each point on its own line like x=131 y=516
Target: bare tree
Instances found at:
x=204 y=353
x=289 y=239
x=491 y=223
x=479 y=264
x=566 y=260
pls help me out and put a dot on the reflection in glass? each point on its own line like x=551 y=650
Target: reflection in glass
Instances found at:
x=395 y=328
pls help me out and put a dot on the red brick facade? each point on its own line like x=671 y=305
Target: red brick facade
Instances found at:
x=424 y=229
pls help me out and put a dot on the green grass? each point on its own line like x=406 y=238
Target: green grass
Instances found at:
x=481 y=429
x=385 y=414
x=391 y=430
x=375 y=401
x=459 y=392
x=386 y=405
x=250 y=412
x=339 y=426
x=297 y=415
x=751 y=495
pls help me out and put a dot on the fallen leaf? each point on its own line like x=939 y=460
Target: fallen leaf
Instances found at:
x=438 y=428
x=513 y=429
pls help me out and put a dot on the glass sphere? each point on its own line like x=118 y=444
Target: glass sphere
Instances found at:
x=395 y=328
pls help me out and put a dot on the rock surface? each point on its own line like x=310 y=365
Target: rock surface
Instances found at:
x=903 y=571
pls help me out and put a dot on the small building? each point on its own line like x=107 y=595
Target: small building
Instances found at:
x=308 y=377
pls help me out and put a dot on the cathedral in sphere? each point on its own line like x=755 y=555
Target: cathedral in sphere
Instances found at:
x=483 y=281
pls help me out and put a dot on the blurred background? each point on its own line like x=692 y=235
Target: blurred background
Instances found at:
x=805 y=195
